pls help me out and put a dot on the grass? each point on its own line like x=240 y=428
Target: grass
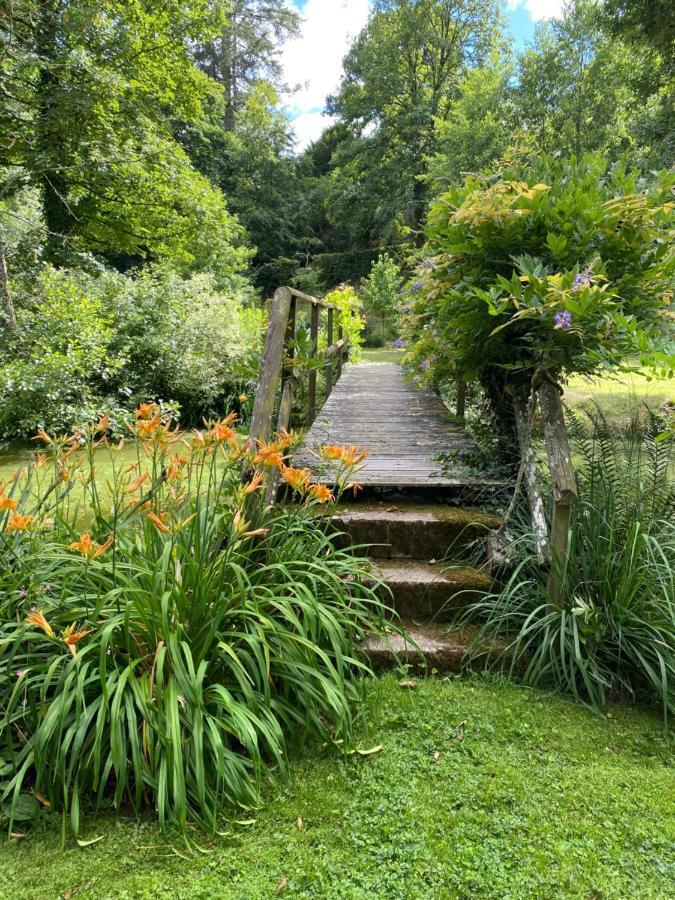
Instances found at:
x=540 y=799
x=617 y=397
x=381 y=355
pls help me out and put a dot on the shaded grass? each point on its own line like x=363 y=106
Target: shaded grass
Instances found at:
x=541 y=799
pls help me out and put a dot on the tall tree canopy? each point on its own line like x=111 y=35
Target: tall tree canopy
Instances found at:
x=401 y=76
x=90 y=89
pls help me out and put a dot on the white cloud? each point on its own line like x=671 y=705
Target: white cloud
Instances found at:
x=539 y=9
x=314 y=60
x=308 y=126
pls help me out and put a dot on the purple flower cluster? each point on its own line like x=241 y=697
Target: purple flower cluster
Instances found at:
x=417 y=285
x=428 y=264
x=399 y=344
x=563 y=320
x=582 y=280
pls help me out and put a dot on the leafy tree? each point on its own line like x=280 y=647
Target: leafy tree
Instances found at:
x=381 y=289
x=649 y=21
x=91 y=88
x=480 y=123
x=401 y=76
x=247 y=49
x=576 y=90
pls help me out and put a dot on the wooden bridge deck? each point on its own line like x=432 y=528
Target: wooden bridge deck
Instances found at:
x=411 y=438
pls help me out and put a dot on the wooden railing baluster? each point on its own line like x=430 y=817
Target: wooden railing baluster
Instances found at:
x=329 y=364
x=279 y=366
x=314 y=342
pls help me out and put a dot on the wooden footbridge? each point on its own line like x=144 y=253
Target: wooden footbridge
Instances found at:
x=413 y=509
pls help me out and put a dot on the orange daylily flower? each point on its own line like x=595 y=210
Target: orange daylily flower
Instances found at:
x=350 y=456
x=137 y=482
x=254 y=484
x=159 y=523
x=147 y=411
x=222 y=432
x=269 y=458
x=332 y=451
x=7 y=503
x=298 y=479
x=90 y=549
x=43 y=436
x=19 y=523
x=103 y=423
x=353 y=456
x=40 y=460
x=71 y=637
x=147 y=427
x=37 y=618
x=320 y=493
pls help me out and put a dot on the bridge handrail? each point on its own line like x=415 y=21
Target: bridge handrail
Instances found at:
x=277 y=369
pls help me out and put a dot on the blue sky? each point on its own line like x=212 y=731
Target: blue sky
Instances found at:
x=312 y=63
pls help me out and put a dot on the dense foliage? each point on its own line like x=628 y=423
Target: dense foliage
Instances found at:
x=614 y=634
x=166 y=655
x=562 y=265
x=88 y=344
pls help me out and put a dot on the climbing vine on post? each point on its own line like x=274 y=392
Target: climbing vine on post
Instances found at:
x=541 y=270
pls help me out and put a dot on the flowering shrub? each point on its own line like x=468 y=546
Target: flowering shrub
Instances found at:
x=558 y=264
x=165 y=635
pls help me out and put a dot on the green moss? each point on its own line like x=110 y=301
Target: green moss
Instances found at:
x=541 y=799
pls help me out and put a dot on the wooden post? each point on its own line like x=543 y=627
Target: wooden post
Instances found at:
x=289 y=339
x=270 y=367
x=461 y=399
x=283 y=423
x=311 y=388
x=563 y=481
x=523 y=415
x=339 y=356
x=329 y=364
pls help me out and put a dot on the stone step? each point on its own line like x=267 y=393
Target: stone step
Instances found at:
x=430 y=649
x=426 y=590
x=414 y=530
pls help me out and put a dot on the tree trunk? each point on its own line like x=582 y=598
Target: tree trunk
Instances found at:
x=5 y=296
x=58 y=215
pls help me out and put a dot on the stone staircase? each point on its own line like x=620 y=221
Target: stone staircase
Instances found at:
x=422 y=551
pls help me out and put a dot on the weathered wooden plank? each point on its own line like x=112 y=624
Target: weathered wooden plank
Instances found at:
x=406 y=431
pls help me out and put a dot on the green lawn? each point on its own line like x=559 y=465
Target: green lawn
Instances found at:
x=618 y=397
x=540 y=799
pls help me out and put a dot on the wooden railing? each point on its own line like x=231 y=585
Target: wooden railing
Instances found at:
x=280 y=377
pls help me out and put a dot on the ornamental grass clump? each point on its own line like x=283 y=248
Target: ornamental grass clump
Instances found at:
x=167 y=635
x=613 y=635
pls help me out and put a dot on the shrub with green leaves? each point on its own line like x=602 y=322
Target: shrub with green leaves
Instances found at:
x=167 y=656
x=93 y=343
x=613 y=635
x=348 y=317
x=381 y=291
x=563 y=264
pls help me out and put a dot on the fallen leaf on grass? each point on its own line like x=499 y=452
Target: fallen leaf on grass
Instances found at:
x=460 y=731
x=42 y=800
x=280 y=887
x=16 y=836
x=436 y=756
x=299 y=824
x=406 y=683
x=90 y=841
x=371 y=751
x=245 y=821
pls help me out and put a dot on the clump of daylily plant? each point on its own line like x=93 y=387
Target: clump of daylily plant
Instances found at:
x=166 y=633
